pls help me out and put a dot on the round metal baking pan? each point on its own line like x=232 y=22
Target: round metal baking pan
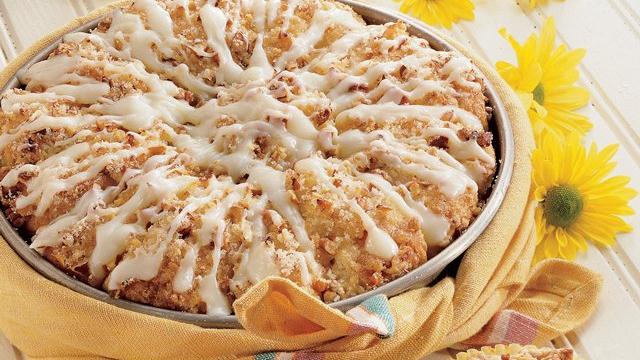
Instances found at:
x=421 y=276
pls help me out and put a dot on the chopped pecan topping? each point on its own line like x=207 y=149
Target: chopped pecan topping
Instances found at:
x=323 y=204
x=329 y=246
x=402 y=70
x=239 y=46
x=295 y=184
x=321 y=116
x=189 y=97
x=441 y=142
x=448 y=116
x=359 y=87
x=105 y=24
x=282 y=35
x=485 y=139
x=465 y=134
x=319 y=286
x=279 y=91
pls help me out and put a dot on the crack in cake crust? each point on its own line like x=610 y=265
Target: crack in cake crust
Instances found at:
x=181 y=152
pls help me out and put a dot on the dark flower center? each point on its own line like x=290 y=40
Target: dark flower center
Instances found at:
x=538 y=94
x=562 y=205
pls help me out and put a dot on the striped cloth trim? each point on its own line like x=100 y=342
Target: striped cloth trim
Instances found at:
x=506 y=327
x=372 y=315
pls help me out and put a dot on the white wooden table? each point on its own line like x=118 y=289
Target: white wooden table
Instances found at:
x=608 y=29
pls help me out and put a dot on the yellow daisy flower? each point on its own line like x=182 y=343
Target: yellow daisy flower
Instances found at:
x=544 y=80
x=577 y=201
x=439 y=12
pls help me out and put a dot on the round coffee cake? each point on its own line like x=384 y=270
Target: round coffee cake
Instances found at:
x=186 y=149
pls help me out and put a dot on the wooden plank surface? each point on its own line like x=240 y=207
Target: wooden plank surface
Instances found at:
x=608 y=29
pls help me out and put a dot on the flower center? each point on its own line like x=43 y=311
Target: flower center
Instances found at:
x=538 y=94
x=562 y=205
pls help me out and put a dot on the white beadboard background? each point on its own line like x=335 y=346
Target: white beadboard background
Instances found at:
x=608 y=29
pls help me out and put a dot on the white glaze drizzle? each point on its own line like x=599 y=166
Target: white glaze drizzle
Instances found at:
x=378 y=242
x=143 y=265
x=87 y=205
x=183 y=280
x=214 y=220
x=49 y=182
x=452 y=182
x=435 y=228
x=151 y=187
x=258 y=261
x=12 y=101
x=321 y=21
x=391 y=112
x=442 y=170
x=139 y=42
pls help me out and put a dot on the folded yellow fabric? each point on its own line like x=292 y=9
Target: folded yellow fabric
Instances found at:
x=46 y=320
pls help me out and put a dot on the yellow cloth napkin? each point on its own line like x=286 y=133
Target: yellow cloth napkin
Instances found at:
x=46 y=320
